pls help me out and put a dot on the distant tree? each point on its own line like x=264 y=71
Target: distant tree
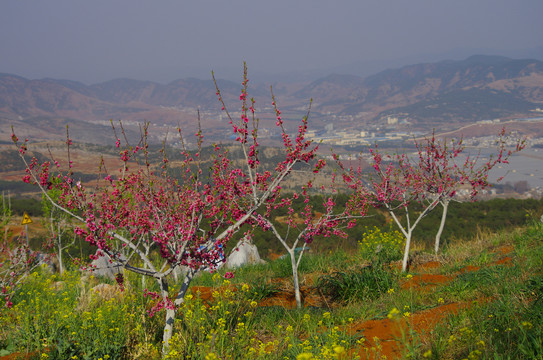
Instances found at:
x=59 y=225
x=394 y=186
x=444 y=174
x=16 y=258
x=430 y=179
x=303 y=226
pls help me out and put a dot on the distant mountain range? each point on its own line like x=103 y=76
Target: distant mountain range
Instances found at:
x=476 y=88
x=479 y=87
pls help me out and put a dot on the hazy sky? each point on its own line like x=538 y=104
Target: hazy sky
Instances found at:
x=98 y=40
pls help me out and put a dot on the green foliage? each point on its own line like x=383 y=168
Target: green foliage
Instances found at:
x=5 y=212
x=505 y=323
x=381 y=247
x=16 y=187
x=357 y=285
x=261 y=288
x=465 y=220
x=32 y=207
x=282 y=267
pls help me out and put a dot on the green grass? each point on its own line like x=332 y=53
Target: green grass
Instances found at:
x=60 y=318
x=357 y=285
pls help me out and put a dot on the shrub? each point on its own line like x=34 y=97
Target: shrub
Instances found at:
x=381 y=247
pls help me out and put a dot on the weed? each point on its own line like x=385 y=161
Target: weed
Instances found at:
x=381 y=247
x=365 y=283
x=261 y=288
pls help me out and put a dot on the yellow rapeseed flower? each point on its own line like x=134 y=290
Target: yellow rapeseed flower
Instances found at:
x=289 y=328
x=211 y=356
x=427 y=354
x=393 y=313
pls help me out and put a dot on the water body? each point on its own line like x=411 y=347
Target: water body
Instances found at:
x=526 y=165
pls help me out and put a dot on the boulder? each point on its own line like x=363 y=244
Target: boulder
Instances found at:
x=244 y=253
x=106 y=267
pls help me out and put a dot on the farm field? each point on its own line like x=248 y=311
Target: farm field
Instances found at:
x=481 y=298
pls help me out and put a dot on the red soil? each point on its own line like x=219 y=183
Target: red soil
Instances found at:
x=504 y=250
x=287 y=299
x=20 y=356
x=426 y=281
x=428 y=265
x=504 y=261
x=384 y=336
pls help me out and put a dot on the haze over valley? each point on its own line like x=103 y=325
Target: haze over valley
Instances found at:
x=383 y=72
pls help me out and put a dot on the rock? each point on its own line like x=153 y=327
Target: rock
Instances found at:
x=47 y=261
x=106 y=267
x=244 y=253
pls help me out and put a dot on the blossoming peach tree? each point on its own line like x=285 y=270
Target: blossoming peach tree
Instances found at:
x=187 y=219
x=433 y=177
x=304 y=226
x=441 y=167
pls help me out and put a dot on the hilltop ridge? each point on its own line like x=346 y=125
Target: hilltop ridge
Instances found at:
x=446 y=93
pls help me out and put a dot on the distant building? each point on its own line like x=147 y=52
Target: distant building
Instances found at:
x=392 y=120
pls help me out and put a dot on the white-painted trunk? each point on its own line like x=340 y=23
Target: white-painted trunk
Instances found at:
x=59 y=257
x=441 y=226
x=294 y=264
x=406 y=251
x=169 y=319
x=168 y=331
x=170 y=313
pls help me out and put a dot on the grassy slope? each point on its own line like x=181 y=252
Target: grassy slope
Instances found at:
x=481 y=298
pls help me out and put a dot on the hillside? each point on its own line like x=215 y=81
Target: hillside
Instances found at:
x=477 y=88
x=357 y=305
